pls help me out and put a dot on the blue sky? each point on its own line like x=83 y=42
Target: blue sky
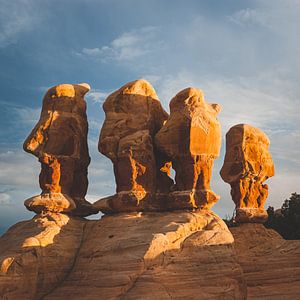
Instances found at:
x=243 y=54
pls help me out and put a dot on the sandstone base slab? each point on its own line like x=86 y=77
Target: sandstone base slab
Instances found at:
x=251 y=215
x=179 y=200
x=176 y=255
x=52 y=202
x=83 y=208
x=198 y=199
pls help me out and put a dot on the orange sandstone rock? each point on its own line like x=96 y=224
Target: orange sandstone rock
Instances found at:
x=191 y=139
x=59 y=140
x=173 y=255
x=248 y=163
x=133 y=115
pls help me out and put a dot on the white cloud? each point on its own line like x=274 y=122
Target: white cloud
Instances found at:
x=249 y=16
x=4 y=199
x=27 y=115
x=127 y=47
x=97 y=96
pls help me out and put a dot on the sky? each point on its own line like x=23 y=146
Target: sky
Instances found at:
x=244 y=55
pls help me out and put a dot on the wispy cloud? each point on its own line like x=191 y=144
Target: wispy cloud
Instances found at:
x=16 y=17
x=249 y=17
x=127 y=47
x=97 y=96
x=4 y=199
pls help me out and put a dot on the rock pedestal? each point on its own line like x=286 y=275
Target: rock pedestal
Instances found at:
x=133 y=115
x=248 y=163
x=191 y=139
x=59 y=140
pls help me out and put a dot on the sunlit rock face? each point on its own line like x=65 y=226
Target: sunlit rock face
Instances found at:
x=180 y=255
x=133 y=115
x=191 y=139
x=59 y=140
x=36 y=255
x=248 y=163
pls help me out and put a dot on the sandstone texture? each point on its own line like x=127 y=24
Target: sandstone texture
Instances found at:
x=191 y=139
x=37 y=255
x=247 y=164
x=133 y=115
x=271 y=265
x=59 y=140
x=175 y=255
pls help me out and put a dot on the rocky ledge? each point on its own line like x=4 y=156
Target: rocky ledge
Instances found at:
x=158 y=255
x=175 y=255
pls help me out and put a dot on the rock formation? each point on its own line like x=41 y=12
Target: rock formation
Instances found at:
x=191 y=139
x=271 y=264
x=248 y=163
x=59 y=140
x=183 y=254
x=180 y=255
x=133 y=115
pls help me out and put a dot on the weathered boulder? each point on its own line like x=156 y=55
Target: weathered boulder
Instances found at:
x=59 y=140
x=133 y=115
x=180 y=255
x=247 y=164
x=191 y=139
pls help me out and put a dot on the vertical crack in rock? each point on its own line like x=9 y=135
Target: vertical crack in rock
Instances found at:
x=61 y=282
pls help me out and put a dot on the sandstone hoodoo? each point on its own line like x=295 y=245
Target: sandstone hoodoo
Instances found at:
x=59 y=140
x=191 y=139
x=248 y=163
x=133 y=115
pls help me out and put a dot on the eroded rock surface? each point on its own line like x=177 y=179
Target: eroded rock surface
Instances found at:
x=174 y=255
x=37 y=255
x=271 y=265
x=133 y=115
x=248 y=163
x=191 y=139
x=126 y=256
x=59 y=140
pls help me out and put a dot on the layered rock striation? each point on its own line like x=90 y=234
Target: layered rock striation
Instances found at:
x=271 y=264
x=125 y=256
x=174 y=255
